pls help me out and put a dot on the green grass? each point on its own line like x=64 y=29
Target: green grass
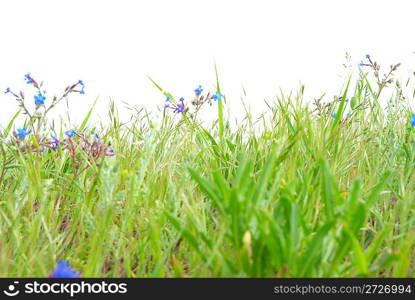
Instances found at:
x=293 y=193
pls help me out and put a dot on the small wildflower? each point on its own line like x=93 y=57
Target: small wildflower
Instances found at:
x=334 y=115
x=412 y=121
x=55 y=142
x=28 y=78
x=7 y=91
x=64 y=270
x=22 y=133
x=109 y=151
x=180 y=107
x=70 y=133
x=40 y=99
x=176 y=107
x=367 y=56
x=72 y=88
x=167 y=105
x=199 y=90
x=217 y=96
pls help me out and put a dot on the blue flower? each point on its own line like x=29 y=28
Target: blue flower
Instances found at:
x=70 y=133
x=176 y=107
x=28 y=78
x=333 y=115
x=367 y=56
x=199 y=90
x=64 y=270
x=22 y=133
x=217 y=96
x=413 y=121
x=81 y=83
x=179 y=108
x=40 y=99
x=54 y=142
x=7 y=91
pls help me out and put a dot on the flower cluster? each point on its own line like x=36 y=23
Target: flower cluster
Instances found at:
x=176 y=107
x=375 y=67
x=73 y=142
x=40 y=100
x=94 y=148
x=198 y=101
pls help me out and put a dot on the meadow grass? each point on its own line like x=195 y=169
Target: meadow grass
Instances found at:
x=296 y=192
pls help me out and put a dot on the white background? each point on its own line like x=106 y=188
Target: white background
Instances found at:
x=259 y=45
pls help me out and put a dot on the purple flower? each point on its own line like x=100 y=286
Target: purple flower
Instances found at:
x=29 y=79
x=217 y=96
x=199 y=90
x=40 y=99
x=22 y=133
x=7 y=91
x=109 y=151
x=70 y=133
x=55 y=142
x=179 y=108
x=64 y=270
